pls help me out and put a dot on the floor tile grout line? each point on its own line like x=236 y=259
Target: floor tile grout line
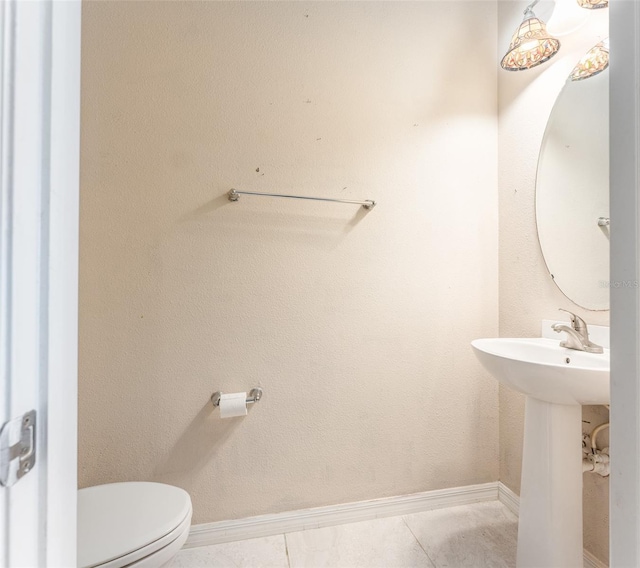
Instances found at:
x=286 y=549
x=433 y=562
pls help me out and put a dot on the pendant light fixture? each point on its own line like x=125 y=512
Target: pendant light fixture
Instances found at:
x=530 y=45
x=595 y=61
x=593 y=4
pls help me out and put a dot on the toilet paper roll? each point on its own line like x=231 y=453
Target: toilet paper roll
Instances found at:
x=233 y=404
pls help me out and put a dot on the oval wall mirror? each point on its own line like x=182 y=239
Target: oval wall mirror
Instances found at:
x=572 y=192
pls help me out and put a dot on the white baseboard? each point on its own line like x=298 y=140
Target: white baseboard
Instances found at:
x=303 y=519
x=290 y=521
x=590 y=561
x=508 y=498
x=512 y=502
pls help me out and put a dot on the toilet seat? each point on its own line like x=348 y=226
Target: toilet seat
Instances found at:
x=122 y=524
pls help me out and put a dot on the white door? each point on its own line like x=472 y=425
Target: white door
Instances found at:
x=625 y=272
x=39 y=151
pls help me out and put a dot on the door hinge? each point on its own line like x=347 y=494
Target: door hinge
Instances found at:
x=17 y=448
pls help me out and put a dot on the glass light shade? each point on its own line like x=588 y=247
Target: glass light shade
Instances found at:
x=567 y=17
x=593 y=4
x=595 y=61
x=531 y=45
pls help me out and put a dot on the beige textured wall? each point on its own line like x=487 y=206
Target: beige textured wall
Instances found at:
x=356 y=325
x=527 y=293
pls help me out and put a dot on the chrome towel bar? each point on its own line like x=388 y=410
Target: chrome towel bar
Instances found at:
x=234 y=195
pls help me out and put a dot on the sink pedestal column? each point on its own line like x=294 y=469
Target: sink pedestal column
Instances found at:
x=550 y=525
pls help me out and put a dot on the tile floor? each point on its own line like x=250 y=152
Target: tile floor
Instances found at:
x=474 y=536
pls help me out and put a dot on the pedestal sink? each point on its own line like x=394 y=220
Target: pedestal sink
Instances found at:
x=557 y=381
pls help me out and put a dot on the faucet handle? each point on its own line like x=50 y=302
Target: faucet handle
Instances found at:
x=577 y=322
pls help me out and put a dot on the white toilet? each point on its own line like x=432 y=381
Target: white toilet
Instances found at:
x=131 y=524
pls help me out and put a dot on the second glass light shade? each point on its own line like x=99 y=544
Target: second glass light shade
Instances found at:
x=593 y=4
x=595 y=61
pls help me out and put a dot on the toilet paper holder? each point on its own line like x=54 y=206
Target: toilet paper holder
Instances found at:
x=254 y=396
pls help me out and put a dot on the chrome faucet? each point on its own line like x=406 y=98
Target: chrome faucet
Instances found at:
x=577 y=334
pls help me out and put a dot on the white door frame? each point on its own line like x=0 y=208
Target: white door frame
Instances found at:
x=39 y=189
x=625 y=273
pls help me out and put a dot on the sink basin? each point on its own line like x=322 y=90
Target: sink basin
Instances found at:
x=543 y=370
